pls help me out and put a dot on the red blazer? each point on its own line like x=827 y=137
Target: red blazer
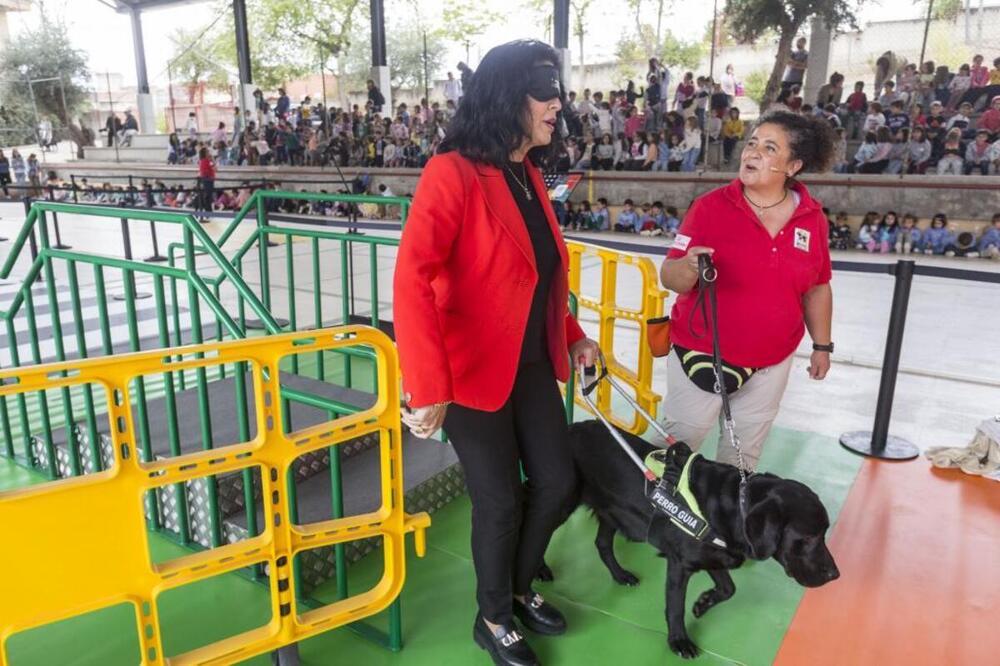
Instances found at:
x=465 y=276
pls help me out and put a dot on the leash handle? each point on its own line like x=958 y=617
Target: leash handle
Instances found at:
x=707 y=275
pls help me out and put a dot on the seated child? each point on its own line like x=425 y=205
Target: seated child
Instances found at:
x=648 y=223
x=628 y=218
x=908 y=237
x=935 y=239
x=989 y=243
x=840 y=237
x=673 y=222
x=600 y=217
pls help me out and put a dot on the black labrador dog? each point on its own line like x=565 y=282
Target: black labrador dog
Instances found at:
x=785 y=520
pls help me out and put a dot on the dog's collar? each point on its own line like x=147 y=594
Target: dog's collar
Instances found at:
x=673 y=496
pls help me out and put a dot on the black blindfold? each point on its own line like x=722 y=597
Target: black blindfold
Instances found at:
x=543 y=83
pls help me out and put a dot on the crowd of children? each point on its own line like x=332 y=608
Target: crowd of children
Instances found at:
x=888 y=233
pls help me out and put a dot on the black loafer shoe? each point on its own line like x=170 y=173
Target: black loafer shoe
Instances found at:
x=539 y=615
x=507 y=647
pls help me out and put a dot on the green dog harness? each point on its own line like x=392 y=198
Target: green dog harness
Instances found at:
x=673 y=496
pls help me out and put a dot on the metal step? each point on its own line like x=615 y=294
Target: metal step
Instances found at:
x=432 y=477
x=225 y=431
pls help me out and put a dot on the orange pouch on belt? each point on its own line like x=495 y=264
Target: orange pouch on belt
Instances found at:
x=658 y=335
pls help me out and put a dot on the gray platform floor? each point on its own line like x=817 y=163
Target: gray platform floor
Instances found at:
x=949 y=379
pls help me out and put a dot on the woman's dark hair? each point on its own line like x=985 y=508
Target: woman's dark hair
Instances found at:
x=810 y=138
x=490 y=122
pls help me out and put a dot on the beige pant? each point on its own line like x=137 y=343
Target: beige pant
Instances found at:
x=691 y=413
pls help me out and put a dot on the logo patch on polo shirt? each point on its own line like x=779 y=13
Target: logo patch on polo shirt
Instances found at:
x=681 y=242
x=802 y=239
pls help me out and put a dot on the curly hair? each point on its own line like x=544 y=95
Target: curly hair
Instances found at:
x=810 y=138
x=492 y=120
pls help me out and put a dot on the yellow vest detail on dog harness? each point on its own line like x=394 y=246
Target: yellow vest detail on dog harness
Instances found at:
x=673 y=496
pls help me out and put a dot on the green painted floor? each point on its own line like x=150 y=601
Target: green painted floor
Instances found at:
x=609 y=624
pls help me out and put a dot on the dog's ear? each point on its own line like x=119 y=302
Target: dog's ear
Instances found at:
x=764 y=524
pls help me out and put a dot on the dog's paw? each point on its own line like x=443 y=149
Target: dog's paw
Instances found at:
x=545 y=574
x=683 y=647
x=704 y=603
x=626 y=578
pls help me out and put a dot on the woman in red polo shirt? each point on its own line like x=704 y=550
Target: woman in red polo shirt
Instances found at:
x=768 y=240
x=483 y=330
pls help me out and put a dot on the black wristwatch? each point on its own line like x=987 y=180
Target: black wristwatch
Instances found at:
x=826 y=348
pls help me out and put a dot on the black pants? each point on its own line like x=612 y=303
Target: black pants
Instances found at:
x=513 y=521
x=207 y=194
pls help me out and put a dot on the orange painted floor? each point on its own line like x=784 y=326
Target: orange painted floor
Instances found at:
x=919 y=555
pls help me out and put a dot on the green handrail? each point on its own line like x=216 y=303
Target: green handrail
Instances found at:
x=200 y=288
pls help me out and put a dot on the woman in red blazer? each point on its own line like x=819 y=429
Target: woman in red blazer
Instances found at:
x=483 y=329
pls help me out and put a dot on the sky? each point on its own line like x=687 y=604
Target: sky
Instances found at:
x=107 y=38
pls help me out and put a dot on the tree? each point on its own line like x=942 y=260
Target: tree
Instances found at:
x=672 y=52
x=288 y=38
x=578 y=10
x=42 y=52
x=650 y=35
x=462 y=22
x=198 y=60
x=749 y=19
x=405 y=46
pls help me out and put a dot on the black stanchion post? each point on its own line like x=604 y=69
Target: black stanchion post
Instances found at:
x=55 y=224
x=127 y=242
x=156 y=256
x=879 y=443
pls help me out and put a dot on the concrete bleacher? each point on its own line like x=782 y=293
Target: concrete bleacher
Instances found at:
x=147 y=148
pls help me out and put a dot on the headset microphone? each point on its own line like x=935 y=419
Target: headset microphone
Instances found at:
x=773 y=169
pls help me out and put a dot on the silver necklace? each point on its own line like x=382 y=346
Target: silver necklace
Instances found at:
x=522 y=183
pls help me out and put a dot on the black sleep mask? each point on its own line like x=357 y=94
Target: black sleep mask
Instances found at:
x=543 y=83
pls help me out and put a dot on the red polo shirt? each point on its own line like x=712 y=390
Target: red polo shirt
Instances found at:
x=761 y=279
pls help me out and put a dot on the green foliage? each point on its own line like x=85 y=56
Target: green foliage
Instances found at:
x=406 y=58
x=462 y=22
x=44 y=51
x=199 y=60
x=754 y=85
x=749 y=20
x=629 y=53
x=632 y=53
x=288 y=39
x=946 y=10
x=675 y=53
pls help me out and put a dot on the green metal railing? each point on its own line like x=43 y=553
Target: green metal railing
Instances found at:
x=187 y=282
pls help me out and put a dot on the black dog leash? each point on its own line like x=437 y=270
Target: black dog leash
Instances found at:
x=708 y=301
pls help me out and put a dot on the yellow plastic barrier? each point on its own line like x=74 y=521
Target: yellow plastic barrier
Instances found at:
x=42 y=524
x=608 y=313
